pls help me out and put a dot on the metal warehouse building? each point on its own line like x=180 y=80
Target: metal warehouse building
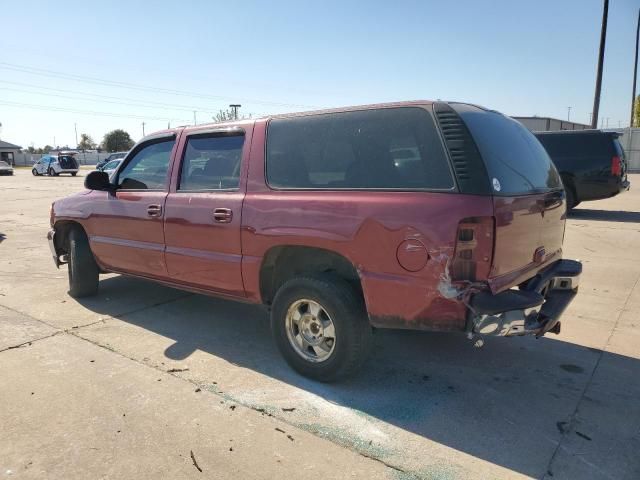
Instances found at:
x=548 y=124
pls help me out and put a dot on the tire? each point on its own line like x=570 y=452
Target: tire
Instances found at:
x=52 y=173
x=73 y=174
x=343 y=308
x=83 y=270
x=571 y=198
x=34 y=172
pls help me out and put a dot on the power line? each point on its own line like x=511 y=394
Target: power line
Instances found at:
x=133 y=86
x=88 y=112
x=137 y=102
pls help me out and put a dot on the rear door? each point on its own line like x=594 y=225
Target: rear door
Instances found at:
x=203 y=210
x=528 y=198
x=126 y=228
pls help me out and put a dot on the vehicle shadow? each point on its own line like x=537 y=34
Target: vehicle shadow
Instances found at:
x=508 y=403
x=604 y=215
x=3 y=237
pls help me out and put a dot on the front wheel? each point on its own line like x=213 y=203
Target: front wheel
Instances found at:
x=571 y=199
x=321 y=328
x=34 y=172
x=83 y=270
x=52 y=173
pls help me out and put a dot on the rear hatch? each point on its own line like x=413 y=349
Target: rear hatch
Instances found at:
x=528 y=198
x=67 y=162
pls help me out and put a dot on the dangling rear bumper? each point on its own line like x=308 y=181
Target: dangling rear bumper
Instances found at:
x=533 y=309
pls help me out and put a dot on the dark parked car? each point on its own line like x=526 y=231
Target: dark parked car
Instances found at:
x=417 y=215
x=113 y=156
x=591 y=163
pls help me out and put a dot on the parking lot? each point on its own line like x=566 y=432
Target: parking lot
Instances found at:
x=150 y=381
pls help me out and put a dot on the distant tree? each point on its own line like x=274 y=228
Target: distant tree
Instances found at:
x=116 y=141
x=46 y=149
x=636 y=112
x=31 y=149
x=227 y=116
x=86 y=142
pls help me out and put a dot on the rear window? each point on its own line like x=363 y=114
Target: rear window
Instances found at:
x=516 y=161
x=576 y=145
x=395 y=148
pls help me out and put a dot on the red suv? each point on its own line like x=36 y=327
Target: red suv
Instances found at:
x=417 y=215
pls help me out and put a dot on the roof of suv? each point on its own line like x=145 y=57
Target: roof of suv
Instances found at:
x=239 y=123
x=579 y=132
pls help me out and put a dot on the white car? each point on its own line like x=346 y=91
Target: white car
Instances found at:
x=111 y=166
x=5 y=168
x=54 y=165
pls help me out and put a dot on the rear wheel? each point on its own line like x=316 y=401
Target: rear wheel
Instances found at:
x=321 y=328
x=83 y=270
x=73 y=174
x=34 y=172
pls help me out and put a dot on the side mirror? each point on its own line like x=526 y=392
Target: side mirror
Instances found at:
x=98 y=181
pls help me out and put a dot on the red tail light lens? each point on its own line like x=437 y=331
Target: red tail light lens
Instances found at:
x=616 y=167
x=474 y=249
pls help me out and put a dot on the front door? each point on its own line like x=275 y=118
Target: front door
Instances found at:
x=203 y=212
x=126 y=228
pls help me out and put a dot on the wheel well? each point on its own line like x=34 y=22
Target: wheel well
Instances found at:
x=63 y=229
x=285 y=262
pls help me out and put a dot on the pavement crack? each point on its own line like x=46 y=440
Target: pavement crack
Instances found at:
x=146 y=307
x=569 y=425
x=29 y=342
x=30 y=317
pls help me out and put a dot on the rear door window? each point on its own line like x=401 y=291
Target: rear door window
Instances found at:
x=395 y=148
x=516 y=161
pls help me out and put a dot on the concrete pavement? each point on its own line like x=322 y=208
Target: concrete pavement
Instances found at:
x=426 y=405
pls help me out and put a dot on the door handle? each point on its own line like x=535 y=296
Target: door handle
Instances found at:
x=154 y=210
x=223 y=215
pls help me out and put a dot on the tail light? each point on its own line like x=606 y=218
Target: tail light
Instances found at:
x=616 y=166
x=474 y=249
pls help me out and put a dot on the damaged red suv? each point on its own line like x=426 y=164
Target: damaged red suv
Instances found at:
x=417 y=215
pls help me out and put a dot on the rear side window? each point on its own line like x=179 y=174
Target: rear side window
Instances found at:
x=211 y=163
x=516 y=161
x=396 y=148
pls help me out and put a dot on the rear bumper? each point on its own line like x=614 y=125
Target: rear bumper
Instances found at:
x=534 y=309
x=625 y=185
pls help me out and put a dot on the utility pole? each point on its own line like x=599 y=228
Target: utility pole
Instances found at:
x=603 y=38
x=607 y=123
x=75 y=126
x=635 y=72
x=235 y=107
x=590 y=117
x=195 y=122
x=143 y=128
x=568 y=114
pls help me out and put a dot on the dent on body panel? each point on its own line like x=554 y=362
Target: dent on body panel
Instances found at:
x=397 y=297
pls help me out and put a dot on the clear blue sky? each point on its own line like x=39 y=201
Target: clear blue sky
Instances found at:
x=522 y=58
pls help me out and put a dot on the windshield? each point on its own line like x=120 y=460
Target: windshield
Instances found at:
x=516 y=161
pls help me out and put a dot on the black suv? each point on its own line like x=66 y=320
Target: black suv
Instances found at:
x=591 y=163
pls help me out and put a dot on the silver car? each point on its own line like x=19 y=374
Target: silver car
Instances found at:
x=5 y=168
